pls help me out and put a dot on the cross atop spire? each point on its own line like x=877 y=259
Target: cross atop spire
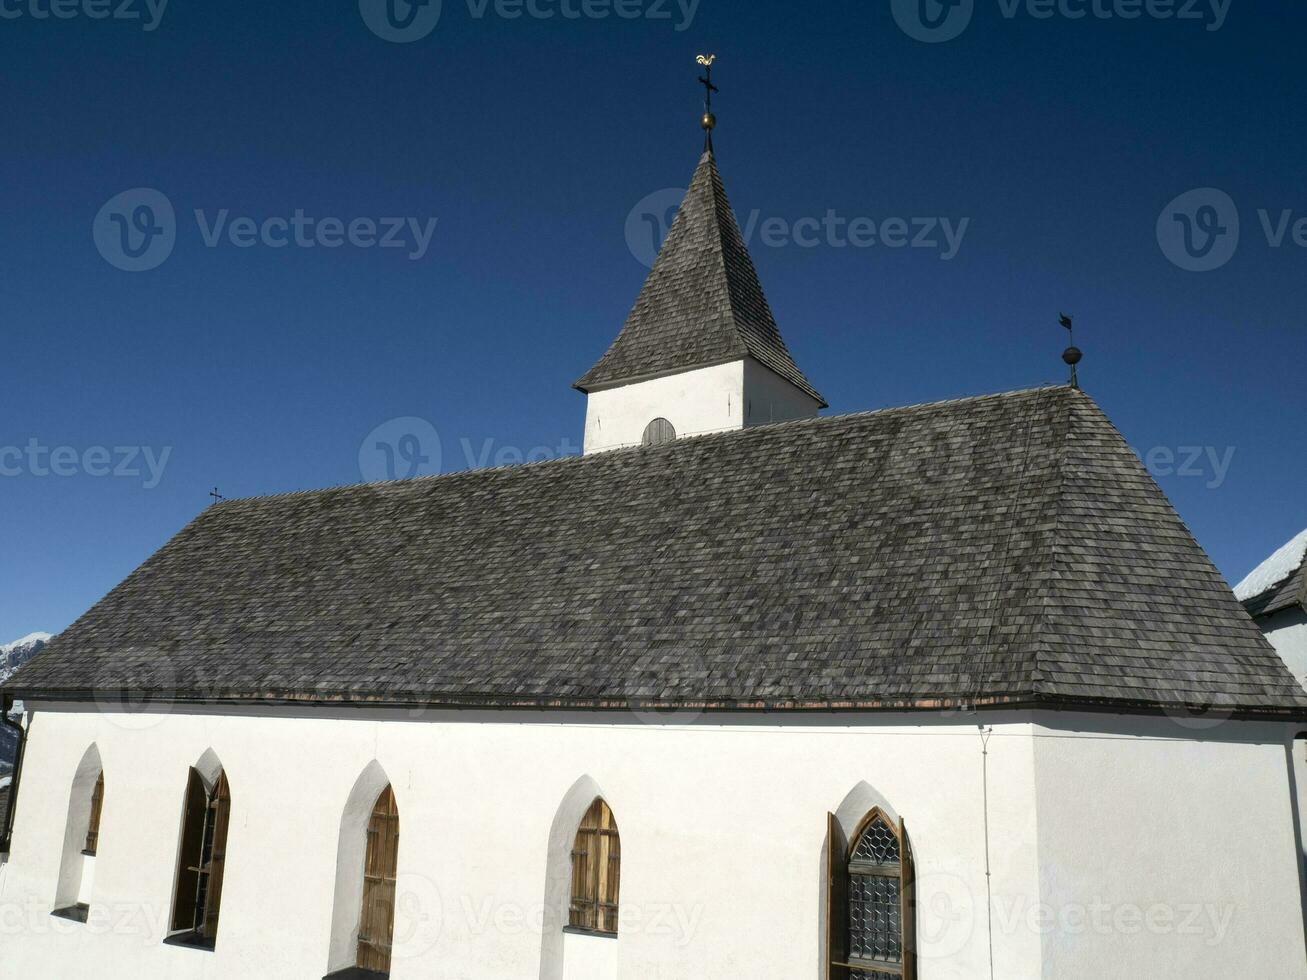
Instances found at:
x=709 y=121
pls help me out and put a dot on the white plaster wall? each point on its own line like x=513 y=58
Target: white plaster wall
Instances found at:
x=695 y=402
x=712 y=399
x=1166 y=848
x=1287 y=632
x=589 y=957
x=723 y=827
x=769 y=398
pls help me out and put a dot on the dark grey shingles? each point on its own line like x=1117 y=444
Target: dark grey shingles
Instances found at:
x=702 y=303
x=1285 y=595
x=1005 y=548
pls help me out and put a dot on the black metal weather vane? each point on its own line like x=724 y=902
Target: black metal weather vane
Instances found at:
x=1072 y=355
x=709 y=121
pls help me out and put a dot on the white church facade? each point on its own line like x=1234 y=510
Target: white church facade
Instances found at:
x=934 y=693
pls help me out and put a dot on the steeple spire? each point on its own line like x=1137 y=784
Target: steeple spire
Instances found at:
x=700 y=350
x=709 y=121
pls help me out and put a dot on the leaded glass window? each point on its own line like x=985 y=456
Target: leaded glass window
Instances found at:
x=875 y=902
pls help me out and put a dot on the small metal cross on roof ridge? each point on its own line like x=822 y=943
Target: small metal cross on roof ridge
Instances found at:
x=216 y=496
x=709 y=120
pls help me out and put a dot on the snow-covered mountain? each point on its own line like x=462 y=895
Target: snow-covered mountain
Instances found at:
x=12 y=656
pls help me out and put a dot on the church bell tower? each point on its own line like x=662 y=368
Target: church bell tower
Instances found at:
x=700 y=352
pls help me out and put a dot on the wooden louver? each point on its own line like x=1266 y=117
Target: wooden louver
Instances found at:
x=93 y=827
x=380 y=870
x=202 y=858
x=596 y=872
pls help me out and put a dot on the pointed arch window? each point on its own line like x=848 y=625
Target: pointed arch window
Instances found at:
x=596 y=872
x=93 y=826
x=201 y=861
x=870 y=928
x=81 y=835
x=380 y=872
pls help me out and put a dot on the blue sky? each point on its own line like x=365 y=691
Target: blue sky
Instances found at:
x=1060 y=141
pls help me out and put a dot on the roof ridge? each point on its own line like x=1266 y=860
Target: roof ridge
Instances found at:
x=987 y=652
x=719 y=236
x=1038 y=675
x=681 y=440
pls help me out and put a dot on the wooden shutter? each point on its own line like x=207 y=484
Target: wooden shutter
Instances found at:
x=596 y=871
x=658 y=432
x=93 y=827
x=380 y=870
x=908 y=912
x=220 y=817
x=837 y=900
x=184 y=912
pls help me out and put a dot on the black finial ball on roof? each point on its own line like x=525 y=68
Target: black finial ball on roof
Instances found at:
x=1072 y=356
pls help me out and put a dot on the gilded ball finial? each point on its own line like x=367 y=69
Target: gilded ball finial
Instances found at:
x=708 y=122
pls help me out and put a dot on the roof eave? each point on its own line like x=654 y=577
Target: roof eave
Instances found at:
x=1186 y=712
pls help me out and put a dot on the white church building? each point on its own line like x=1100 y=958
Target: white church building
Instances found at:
x=942 y=692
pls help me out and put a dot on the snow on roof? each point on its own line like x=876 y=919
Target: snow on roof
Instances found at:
x=5 y=781
x=1274 y=570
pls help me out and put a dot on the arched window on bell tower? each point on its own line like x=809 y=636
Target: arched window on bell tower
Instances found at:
x=658 y=432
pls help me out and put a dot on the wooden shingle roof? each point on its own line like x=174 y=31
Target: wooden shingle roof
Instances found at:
x=1288 y=594
x=702 y=303
x=1008 y=549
